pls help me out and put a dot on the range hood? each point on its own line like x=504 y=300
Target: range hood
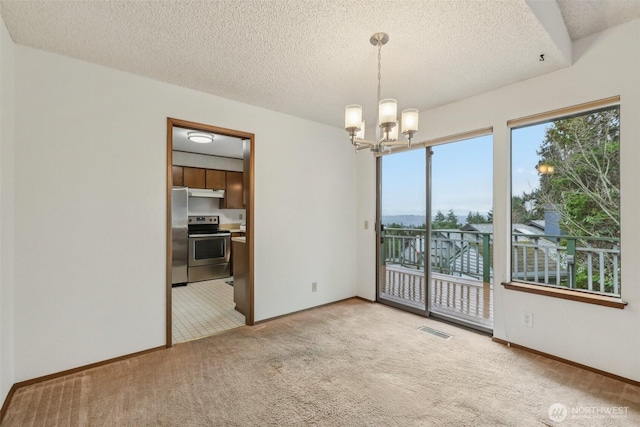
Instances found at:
x=199 y=192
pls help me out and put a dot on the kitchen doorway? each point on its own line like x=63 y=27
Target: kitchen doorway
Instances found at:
x=227 y=184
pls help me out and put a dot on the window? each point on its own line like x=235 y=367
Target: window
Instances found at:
x=565 y=202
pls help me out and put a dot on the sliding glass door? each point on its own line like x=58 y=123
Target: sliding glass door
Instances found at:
x=436 y=233
x=462 y=232
x=402 y=241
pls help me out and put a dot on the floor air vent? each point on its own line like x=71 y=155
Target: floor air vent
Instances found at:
x=435 y=332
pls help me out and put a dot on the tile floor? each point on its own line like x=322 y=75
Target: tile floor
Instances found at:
x=203 y=308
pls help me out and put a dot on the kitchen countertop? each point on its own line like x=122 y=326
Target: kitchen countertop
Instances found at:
x=234 y=228
x=239 y=239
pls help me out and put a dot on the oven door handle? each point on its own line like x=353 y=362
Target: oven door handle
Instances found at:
x=210 y=235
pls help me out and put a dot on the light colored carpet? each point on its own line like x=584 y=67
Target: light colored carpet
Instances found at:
x=348 y=364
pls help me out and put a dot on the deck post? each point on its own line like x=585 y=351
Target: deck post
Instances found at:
x=486 y=275
x=571 y=262
x=383 y=264
x=486 y=259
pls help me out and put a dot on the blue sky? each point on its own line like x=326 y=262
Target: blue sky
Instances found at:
x=524 y=158
x=462 y=175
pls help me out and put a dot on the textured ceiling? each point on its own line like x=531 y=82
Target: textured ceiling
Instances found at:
x=310 y=58
x=225 y=146
x=586 y=17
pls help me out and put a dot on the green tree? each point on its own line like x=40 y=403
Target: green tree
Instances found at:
x=452 y=219
x=584 y=153
x=476 y=218
x=525 y=208
x=580 y=179
x=394 y=229
x=439 y=221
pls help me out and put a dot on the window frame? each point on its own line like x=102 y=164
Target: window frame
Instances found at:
x=555 y=291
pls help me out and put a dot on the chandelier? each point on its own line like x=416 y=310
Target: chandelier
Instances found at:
x=387 y=130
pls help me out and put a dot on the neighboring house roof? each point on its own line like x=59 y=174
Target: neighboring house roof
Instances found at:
x=538 y=223
x=483 y=228
x=531 y=227
x=527 y=229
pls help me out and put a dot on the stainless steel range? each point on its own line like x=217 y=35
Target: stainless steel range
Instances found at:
x=209 y=249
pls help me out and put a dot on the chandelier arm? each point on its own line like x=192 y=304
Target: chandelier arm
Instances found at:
x=363 y=147
x=396 y=143
x=363 y=142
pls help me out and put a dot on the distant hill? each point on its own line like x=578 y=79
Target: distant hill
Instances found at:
x=412 y=220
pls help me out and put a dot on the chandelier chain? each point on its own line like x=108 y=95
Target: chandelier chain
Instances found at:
x=379 y=90
x=379 y=67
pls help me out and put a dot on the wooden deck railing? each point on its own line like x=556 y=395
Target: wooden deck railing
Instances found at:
x=575 y=262
x=466 y=299
x=453 y=252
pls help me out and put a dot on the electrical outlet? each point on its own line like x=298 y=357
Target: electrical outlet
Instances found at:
x=527 y=319
x=366 y=225
x=314 y=286
x=241 y=216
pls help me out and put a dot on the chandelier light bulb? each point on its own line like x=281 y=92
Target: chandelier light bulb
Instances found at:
x=409 y=121
x=387 y=111
x=352 y=117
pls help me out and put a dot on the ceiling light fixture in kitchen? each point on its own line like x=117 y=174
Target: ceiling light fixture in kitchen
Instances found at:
x=387 y=116
x=201 y=138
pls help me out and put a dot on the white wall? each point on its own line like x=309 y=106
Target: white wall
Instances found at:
x=366 y=238
x=90 y=209
x=7 y=218
x=211 y=206
x=306 y=212
x=605 y=65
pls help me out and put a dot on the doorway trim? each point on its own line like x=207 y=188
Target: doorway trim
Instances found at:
x=249 y=158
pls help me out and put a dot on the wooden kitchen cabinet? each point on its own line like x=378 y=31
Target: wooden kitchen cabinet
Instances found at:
x=177 y=173
x=233 y=197
x=215 y=179
x=231 y=259
x=240 y=276
x=194 y=177
x=231 y=182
